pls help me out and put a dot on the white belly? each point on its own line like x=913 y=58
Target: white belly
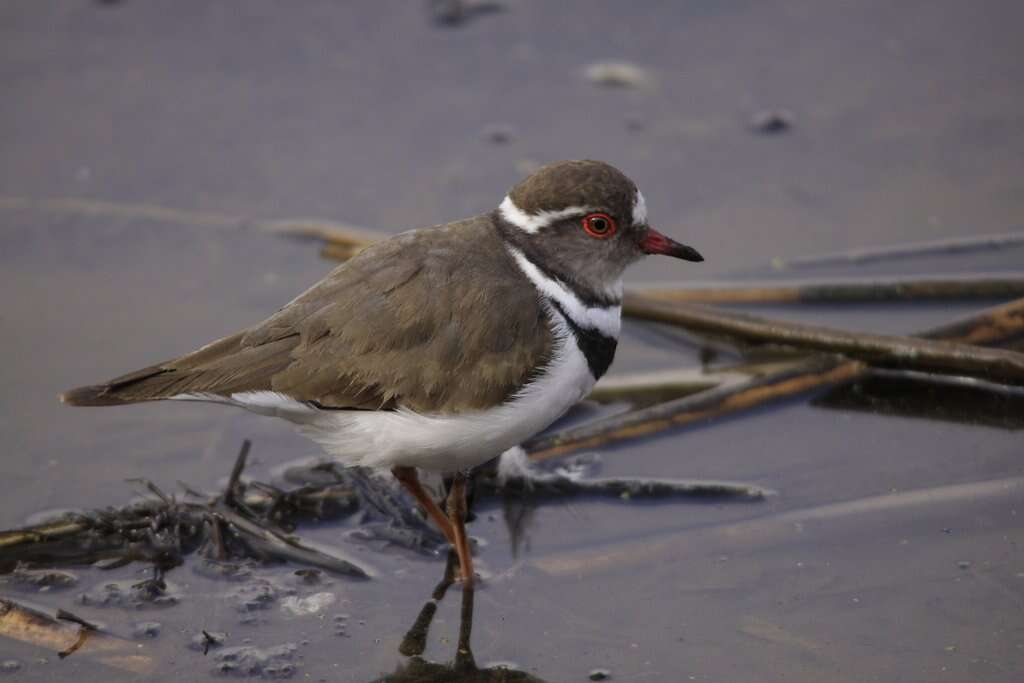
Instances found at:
x=444 y=443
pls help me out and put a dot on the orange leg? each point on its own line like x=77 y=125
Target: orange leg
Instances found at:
x=457 y=515
x=408 y=478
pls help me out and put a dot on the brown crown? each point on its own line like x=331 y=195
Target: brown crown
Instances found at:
x=576 y=183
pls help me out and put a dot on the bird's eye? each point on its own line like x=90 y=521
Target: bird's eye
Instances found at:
x=599 y=225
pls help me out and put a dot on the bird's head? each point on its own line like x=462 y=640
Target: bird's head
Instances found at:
x=584 y=222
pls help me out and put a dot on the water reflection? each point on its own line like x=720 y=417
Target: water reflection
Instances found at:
x=463 y=668
x=917 y=395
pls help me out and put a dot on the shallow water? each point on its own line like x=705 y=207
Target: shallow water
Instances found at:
x=888 y=552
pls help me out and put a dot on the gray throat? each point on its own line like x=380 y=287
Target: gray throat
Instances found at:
x=591 y=296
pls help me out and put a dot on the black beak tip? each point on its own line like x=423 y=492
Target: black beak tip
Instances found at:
x=691 y=254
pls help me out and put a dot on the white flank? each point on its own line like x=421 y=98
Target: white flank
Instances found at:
x=270 y=403
x=639 y=209
x=542 y=219
x=607 y=321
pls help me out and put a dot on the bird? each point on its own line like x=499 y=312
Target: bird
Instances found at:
x=439 y=348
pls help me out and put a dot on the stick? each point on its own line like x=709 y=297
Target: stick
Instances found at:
x=992 y=325
x=906 y=393
x=36 y=627
x=236 y=473
x=651 y=387
x=560 y=487
x=326 y=231
x=285 y=547
x=952 y=245
x=339 y=252
x=888 y=350
x=329 y=232
x=798 y=379
x=989 y=286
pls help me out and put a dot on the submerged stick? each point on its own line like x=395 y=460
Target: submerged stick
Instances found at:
x=990 y=326
x=932 y=355
x=1006 y=286
x=330 y=232
x=747 y=535
x=560 y=487
x=954 y=245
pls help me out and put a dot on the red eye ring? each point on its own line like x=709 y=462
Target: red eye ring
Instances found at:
x=599 y=225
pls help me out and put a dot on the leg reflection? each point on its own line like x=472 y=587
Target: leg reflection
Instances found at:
x=463 y=669
x=464 y=661
x=415 y=640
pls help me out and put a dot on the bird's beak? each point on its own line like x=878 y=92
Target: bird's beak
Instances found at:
x=656 y=243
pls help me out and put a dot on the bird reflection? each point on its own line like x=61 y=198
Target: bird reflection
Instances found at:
x=463 y=668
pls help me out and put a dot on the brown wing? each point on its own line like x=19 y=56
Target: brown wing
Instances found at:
x=437 y=320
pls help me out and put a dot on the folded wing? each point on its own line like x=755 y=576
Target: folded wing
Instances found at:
x=435 y=320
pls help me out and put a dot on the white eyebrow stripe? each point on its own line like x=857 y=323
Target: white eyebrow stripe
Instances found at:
x=606 y=320
x=532 y=223
x=639 y=209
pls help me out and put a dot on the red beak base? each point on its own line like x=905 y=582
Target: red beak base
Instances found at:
x=656 y=243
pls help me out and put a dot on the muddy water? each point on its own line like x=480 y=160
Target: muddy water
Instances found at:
x=892 y=550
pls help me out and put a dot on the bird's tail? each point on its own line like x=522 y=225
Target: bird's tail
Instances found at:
x=94 y=395
x=218 y=369
x=130 y=388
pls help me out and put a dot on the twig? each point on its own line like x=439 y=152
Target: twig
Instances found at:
x=83 y=635
x=62 y=528
x=152 y=488
x=232 y=488
x=945 y=246
x=995 y=325
x=87 y=628
x=653 y=387
x=208 y=640
x=329 y=232
x=339 y=252
x=285 y=547
x=989 y=286
x=887 y=350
